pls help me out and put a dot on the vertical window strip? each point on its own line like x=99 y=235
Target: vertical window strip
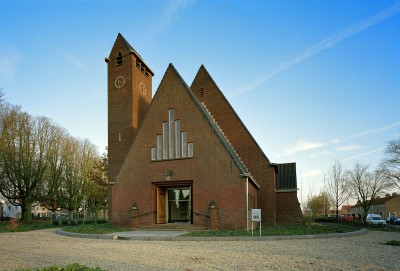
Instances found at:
x=159 y=147
x=153 y=154
x=184 y=147
x=171 y=134
x=165 y=140
x=177 y=139
x=190 y=150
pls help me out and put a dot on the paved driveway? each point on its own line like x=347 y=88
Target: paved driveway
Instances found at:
x=45 y=247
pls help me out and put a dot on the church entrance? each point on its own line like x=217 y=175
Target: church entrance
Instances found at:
x=174 y=204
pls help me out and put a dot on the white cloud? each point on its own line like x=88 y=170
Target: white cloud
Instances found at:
x=9 y=62
x=348 y=147
x=324 y=45
x=335 y=141
x=299 y=146
x=321 y=154
x=169 y=13
x=312 y=173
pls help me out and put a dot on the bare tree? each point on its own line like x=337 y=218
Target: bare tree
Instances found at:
x=96 y=188
x=365 y=186
x=50 y=191
x=391 y=163
x=319 y=204
x=1 y=95
x=78 y=161
x=336 y=185
x=23 y=161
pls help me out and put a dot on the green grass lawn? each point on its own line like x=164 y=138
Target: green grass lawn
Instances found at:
x=313 y=228
x=103 y=228
x=7 y=226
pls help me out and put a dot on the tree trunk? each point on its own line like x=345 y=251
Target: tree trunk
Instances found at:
x=26 y=210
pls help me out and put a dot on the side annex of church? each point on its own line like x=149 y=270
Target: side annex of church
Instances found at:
x=184 y=156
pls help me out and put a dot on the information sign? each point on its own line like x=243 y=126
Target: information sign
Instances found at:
x=256 y=215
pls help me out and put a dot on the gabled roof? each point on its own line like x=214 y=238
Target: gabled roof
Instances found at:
x=225 y=143
x=202 y=72
x=228 y=147
x=131 y=50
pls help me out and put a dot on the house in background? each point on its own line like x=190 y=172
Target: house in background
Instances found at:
x=383 y=206
x=9 y=210
x=184 y=156
x=39 y=211
x=345 y=210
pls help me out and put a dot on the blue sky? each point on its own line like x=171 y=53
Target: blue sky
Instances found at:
x=313 y=81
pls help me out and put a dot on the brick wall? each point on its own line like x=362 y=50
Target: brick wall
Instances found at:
x=207 y=91
x=211 y=171
x=288 y=208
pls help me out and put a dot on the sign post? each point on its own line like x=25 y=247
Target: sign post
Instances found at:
x=255 y=217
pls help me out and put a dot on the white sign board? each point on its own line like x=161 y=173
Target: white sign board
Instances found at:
x=256 y=215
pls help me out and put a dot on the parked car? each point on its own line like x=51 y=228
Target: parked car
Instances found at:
x=397 y=221
x=375 y=219
x=390 y=220
x=348 y=217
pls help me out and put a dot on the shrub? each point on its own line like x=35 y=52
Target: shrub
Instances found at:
x=393 y=243
x=13 y=224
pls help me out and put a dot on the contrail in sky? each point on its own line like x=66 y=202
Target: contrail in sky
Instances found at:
x=362 y=154
x=373 y=131
x=324 y=44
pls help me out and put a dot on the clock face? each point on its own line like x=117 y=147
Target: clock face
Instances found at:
x=142 y=88
x=119 y=82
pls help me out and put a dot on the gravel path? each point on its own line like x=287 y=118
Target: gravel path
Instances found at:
x=44 y=248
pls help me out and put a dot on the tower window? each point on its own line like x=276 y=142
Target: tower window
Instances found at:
x=202 y=92
x=119 y=59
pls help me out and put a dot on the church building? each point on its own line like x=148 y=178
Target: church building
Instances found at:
x=184 y=156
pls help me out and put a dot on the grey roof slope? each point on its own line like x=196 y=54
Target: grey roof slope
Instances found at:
x=287 y=176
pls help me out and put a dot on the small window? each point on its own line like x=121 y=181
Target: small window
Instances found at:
x=190 y=150
x=153 y=154
x=138 y=64
x=202 y=92
x=165 y=140
x=177 y=139
x=171 y=134
x=119 y=59
x=159 y=147
x=184 y=146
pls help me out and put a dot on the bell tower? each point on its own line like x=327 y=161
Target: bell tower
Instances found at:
x=129 y=96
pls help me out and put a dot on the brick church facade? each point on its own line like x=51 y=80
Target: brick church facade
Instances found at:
x=184 y=156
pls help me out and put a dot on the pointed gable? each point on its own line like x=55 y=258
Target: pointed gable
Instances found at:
x=174 y=94
x=207 y=91
x=123 y=47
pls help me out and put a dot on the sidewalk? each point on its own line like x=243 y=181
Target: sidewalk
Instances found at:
x=174 y=235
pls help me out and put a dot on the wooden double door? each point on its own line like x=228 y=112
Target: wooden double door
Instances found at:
x=174 y=204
